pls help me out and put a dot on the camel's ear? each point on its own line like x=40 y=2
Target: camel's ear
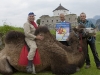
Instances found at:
x=75 y=29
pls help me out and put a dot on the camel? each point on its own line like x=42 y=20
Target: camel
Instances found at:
x=57 y=58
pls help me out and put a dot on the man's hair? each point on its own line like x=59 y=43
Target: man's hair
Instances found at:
x=83 y=13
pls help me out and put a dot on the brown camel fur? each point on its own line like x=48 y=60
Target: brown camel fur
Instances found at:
x=54 y=56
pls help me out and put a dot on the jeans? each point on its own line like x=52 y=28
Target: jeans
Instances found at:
x=94 y=52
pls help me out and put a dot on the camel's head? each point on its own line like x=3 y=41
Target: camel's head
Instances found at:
x=81 y=31
x=85 y=32
x=43 y=31
x=76 y=34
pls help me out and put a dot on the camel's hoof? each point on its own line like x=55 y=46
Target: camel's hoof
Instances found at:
x=87 y=66
x=98 y=67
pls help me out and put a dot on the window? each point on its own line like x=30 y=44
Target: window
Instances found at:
x=57 y=20
x=69 y=19
x=42 y=22
x=47 y=20
x=52 y=20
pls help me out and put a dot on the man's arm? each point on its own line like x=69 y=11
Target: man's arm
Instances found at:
x=92 y=25
x=28 y=32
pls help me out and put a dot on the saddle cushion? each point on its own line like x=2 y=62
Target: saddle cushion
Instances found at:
x=23 y=60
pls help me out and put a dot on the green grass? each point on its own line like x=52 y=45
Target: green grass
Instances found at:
x=45 y=73
x=6 y=28
x=53 y=32
x=91 y=71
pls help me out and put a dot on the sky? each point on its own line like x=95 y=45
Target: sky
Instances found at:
x=15 y=12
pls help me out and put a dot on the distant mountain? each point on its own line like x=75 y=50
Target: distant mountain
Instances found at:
x=98 y=23
x=96 y=17
x=93 y=20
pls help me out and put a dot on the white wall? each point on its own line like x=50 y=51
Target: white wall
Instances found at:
x=58 y=12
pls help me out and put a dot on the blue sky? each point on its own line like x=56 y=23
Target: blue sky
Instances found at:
x=15 y=12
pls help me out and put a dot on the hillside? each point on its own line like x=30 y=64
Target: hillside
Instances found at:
x=96 y=17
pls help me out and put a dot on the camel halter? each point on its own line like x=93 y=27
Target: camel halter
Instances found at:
x=80 y=42
x=76 y=34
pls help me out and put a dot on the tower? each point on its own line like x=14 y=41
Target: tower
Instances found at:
x=60 y=9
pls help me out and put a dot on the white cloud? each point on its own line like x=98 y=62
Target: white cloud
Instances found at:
x=16 y=11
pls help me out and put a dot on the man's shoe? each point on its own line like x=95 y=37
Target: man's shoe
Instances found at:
x=87 y=66
x=98 y=67
x=29 y=69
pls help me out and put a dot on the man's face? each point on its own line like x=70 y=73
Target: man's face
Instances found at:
x=83 y=17
x=31 y=18
x=62 y=17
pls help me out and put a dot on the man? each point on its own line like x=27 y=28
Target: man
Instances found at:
x=90 y=41
x=62 y=18
x=29 y=30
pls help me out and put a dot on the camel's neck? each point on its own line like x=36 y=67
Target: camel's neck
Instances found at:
x=74 y=45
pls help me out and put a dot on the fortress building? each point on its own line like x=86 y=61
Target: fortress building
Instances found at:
x=50 y=21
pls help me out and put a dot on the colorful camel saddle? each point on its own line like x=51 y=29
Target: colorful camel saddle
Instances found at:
x=23 y=60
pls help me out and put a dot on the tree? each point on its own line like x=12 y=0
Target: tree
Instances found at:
x=38 y=21
x=78 y=19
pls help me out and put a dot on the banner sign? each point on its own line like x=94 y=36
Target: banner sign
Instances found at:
x=62 y=31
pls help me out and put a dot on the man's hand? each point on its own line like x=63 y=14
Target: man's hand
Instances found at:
x=67 y=39
x=94 y=35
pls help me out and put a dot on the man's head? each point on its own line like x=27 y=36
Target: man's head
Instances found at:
x=83 y=16
x=31 y=16
x=62 y=17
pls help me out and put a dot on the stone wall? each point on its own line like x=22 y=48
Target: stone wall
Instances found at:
x=50 y=22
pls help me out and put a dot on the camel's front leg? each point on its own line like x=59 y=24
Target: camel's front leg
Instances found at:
x=5 y=67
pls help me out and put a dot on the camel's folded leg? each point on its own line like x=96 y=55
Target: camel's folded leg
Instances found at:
x=59 y=63
x=5 y=67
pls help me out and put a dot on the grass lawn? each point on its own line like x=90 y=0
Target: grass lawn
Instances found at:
x=91 y=71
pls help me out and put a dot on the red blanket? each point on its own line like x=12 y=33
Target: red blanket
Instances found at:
x=23 y=60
